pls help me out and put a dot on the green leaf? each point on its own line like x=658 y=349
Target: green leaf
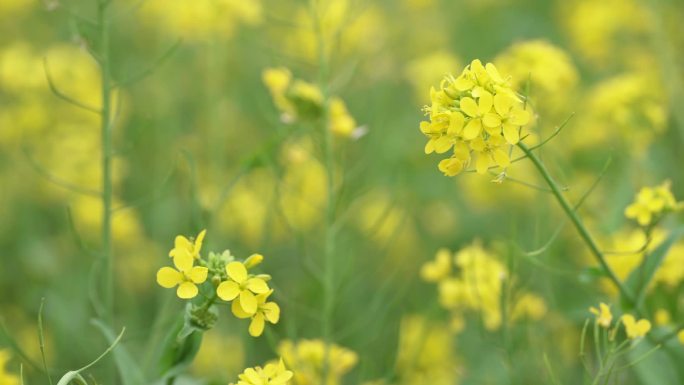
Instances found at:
x=652 y=367
x=640 y=278
x=128 y=369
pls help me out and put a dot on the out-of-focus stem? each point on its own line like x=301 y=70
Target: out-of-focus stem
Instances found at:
x=579 y=225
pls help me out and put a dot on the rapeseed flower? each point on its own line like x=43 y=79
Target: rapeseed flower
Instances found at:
x=185 y=250
x=270 y=374
x=307 y=360
x=242 y=285
x=186 y=278
x=651 y=203
x=266 y=311
x=635 y=329
x=440 y=268
x=5 y=377
x=603 y=315
x=680 y=336
x=478 y=114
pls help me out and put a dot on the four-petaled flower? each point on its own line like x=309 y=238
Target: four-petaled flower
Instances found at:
x=508 y=117
x=635 y=329
x=266 y=311
x=185 y=251
x=476 y=111
x=241 y=284
x=271 y=374
x=651 y=202
x=489 y=151
x=603 y=315
x=186 y=278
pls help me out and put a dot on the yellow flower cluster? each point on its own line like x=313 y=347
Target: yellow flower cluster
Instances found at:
x=603 y=315
x=270 y=374
x=307 y=360
x=5 y=377
x=476 y=114
x=651 y=203
x=477 y=286
x=299 y=100
x=232 y=281
x=633 y=328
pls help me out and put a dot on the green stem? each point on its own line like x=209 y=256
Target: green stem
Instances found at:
x=106 y=128
x=577 y=221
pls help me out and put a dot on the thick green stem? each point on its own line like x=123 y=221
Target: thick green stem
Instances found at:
x=106 y=128
x=577 y=221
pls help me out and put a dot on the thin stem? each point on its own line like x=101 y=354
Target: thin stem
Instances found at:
x=579 y=225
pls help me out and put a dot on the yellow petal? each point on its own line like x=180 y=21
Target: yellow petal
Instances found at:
x=456 y=122
x=493 y=73
x=253 y=260
x=168 y=277
x=256 y=327
x=511 y=133
x=236 y=271
x=469 y=106
x=501 y=158
x=248 y=302
x=228 y=290
x=491 y=120
x=502 y=104
x=183 y=261
x=187 y=290
x=271 y=311
x=482 y=163
x=443 y=144
x=485 y=103
x=182 y=243
x=236 y=308
x=257 y=285
x=430 y=146
x=477 y=144
x=472 y=129
x=198 y=274
x=519 y=117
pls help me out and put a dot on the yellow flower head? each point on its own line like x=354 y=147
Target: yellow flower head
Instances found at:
x=185 y=250
x=266 y=311
x=680 y=336
x=603 y=315
x=5 y=377
x=635 y=329
x=650 y=203
x=270 y=374
x=243 y=285
x=307 y=360
x=440 y=268
x=478 y=115
x=186 y=278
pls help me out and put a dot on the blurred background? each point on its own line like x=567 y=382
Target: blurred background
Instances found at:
x=199 y=143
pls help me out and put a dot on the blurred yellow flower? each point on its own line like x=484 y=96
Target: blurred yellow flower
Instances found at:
x=270 y=374
x=185 y=251
x=307 y=359
x=243 y=285
x=635 y=329
x=651 y=203
x=186 y=278
x=6 y=378
x=341 y=122
x=603 y=315
x=680 y=336
x=266 y=311
x=662 y=317
x=440 y=268
x=477 y=114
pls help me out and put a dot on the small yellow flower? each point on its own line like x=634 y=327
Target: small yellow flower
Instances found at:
x=603 y=315
x=635 y=329
x=488 y=151
x=5 y=377
x=662 y=317
x=440 y=268
x=185 y=278
x=242 y=285
x=651 y=202
x=266 y=311
x=185 y=251
x=476 y=111
x=271 y=374
x=508 y=117
x=680 y=336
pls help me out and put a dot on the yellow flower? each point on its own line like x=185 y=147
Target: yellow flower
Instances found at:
x=266 y=311
x=680 y=336
x=186 y=278
x=185 y=251
x=662 y=317
x=341 y=122
x=438 y=269
x=307 y=360
x=243 y=285
x=635 y=329
x=650 y=203
x=5 y=377
x=270 y=374
x=603 y=314
x=476 y=113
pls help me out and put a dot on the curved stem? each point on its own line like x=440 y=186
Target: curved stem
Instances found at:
x=577 y=222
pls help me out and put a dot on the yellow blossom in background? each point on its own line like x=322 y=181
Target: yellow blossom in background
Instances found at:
x=9 y=8
x=477 y=115
x=6 y=378
x=662 y=317
x=440 y=268
x=651 y=203
x=185 y=251
x=265 y=311
x=186 y=278
x=680 y=336
x=243 y=286
x=201 y=19
x=341 y=122
x=211 y=359
x=306 y=358
x=549 y=69
x=270 y=374
x=635 y=329
x=603 y=315
x=426 y=71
